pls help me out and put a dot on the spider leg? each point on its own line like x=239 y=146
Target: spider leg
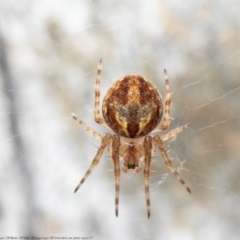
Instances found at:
x=97 y=97
x=115 y=157
x=158 y=141
x=174 y=132
x=166 y=120
x=148 y=152
x=105 y=141
x=85 y=126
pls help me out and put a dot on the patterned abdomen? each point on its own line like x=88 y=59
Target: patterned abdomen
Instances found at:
x=132 y=107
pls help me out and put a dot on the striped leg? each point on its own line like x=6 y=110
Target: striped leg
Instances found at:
x=105 y=141
x=166 y=120
x=97 y=97
x=159 y=143
x=148 y=150
x=89 y=129
x=174 y=132
x=115 y=157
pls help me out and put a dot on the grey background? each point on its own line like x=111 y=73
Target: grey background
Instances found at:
x=52 y=49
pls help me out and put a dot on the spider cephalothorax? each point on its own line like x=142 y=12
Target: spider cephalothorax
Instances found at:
x=133 y=109
x=131 y=154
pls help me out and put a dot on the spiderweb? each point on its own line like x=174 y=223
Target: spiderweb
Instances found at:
x=52 y=49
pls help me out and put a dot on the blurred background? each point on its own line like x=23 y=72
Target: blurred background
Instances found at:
x=49 y=52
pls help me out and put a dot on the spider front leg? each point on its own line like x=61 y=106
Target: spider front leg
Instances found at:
x=148 y=154
x=159 y=143
x=115 y=157
x=105 y=141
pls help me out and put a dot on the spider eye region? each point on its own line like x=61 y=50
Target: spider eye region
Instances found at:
x=132 y=107
x=131 y=154
x=130 y=165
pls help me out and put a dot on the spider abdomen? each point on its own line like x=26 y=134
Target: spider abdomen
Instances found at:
x=132 y=107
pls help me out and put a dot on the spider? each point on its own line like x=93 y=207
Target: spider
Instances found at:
x=133 y=109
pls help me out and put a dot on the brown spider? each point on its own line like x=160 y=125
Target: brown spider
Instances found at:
x=133 y=109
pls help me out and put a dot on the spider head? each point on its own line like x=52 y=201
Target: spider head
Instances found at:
x=131 y=153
